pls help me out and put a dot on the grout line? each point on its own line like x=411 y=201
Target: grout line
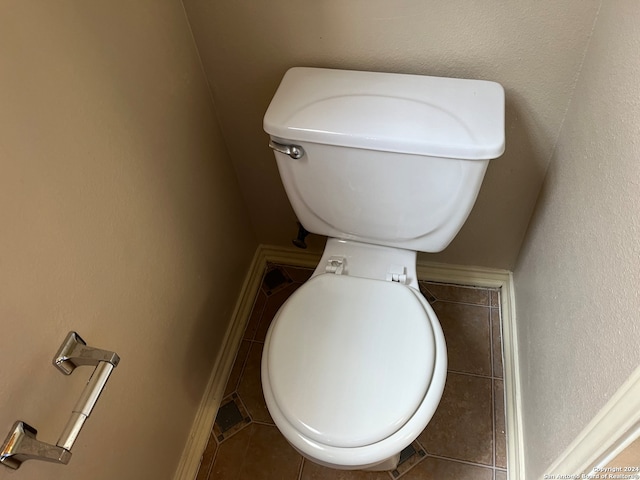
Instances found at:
x=460 y=285
x=489 y=377
x=415 y=464
x=220 y=442
x=493 y=389
x=266 y=424
x=213 y=460
x=461 y=303
x=264 y=307
x=466 y=462
x=491 y=352
x=244 y=365
x=301 y=468
x=493 y=420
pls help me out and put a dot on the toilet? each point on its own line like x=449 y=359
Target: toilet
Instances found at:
x=385 y=165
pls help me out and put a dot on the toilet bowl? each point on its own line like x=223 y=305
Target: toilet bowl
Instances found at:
x=384 y=165
x=353 y=367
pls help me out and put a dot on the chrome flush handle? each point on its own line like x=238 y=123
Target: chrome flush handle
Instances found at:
x=294 y=151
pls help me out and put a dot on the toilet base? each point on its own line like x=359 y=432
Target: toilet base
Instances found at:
x=386 y=465
x=389 y=464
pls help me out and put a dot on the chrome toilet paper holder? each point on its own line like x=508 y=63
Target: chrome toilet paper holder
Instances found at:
x=21 y=443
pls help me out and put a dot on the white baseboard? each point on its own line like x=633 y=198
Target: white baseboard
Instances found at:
x=615 y=426
x=206 y=414
x=290 y=256
x=475 y=276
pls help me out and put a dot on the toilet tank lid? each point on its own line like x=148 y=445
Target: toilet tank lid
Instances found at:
x=415 y=114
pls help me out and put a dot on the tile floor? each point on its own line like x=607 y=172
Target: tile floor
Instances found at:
x=464 y=440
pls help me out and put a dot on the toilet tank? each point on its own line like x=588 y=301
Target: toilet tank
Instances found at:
x=388 y=159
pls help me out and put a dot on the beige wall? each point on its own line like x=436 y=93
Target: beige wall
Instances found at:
x=533 y=48
x=121 y=218
x=578 y=275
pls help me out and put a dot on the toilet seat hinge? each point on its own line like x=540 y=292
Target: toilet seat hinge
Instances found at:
x=336 y=265
x=397 y=273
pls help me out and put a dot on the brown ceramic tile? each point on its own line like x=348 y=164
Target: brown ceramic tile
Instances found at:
x=275 y=279
x=259 y=452
x=274 y=302
x=311 y=471
x=495 y=298
x=207 y=459
x=440 y=469
x=232 y=417
x=250 y=387
x=299 y=274
x=501 y=437
x=409 y=458
x=256 y=315
x=425 y=292
x=462 y=427
x=458 y=293
x=500 y=475
x=236 y=371
x=496 y=336
x=466 y=331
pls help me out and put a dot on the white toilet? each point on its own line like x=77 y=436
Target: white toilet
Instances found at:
x=385 y=165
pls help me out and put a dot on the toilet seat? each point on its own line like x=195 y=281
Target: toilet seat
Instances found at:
x=349 y=360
